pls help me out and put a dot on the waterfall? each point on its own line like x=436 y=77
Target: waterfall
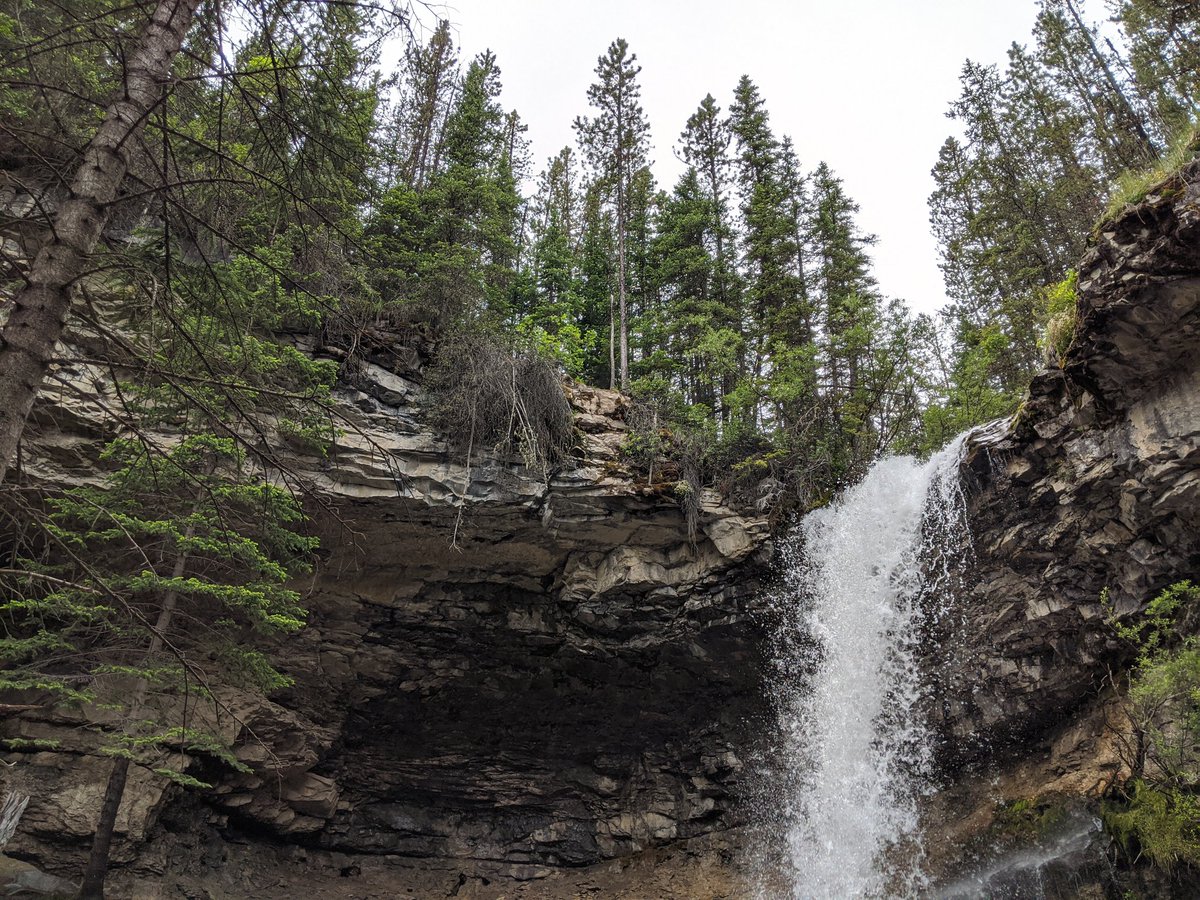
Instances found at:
x=854 y=747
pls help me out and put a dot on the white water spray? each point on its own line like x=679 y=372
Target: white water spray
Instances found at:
x=853 y=738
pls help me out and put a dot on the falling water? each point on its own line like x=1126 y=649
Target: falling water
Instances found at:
x=853 y=739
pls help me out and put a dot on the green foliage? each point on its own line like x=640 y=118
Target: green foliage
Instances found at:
x=615 y=142
x=27 y=745
x=1060 y=302
x=1157 y=812
x=152 y=592
x=444 y=248
x=1030 y=818
x=975 y=390
x=1153 y=633
x=672 y=444
x=1080 y=115
x=1162 y=825
x=1134 y=185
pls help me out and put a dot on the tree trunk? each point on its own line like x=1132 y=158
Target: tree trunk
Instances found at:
x=612 y=344
x=622 y=169
x=40 y=309
x=624 y=341
x=97 y=864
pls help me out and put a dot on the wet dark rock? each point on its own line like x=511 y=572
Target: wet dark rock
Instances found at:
x=1083 y=507
x=517 y=670
x=1092 y=491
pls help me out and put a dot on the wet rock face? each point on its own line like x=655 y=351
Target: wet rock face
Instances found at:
x=1091 y=491
x=514 y=669
x=568 y=683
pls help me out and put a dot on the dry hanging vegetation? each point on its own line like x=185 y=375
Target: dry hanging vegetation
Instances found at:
x=488 y=395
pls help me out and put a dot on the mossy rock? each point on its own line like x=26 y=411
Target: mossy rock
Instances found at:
x=1030 y=818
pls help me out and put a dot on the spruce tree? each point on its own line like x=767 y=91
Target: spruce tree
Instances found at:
x=850 y=307
x=556 y=315
x=768 y=248
x=700 y=333
x=599 y=286
x=615 y=142
x=157 y=587
x=704 y=146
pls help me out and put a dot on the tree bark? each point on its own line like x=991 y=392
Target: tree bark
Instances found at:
x=39 y=311
x=97 y=864
x=612 y=344
x=622 y=227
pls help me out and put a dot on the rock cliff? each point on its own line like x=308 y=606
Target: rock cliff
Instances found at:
x=1084 y=506
x=504 y=672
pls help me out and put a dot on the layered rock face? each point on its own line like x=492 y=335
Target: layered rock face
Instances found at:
x=565 y=684
x=509 y=674
x=1090 y=493
x=1082 y=508
x=511 y=669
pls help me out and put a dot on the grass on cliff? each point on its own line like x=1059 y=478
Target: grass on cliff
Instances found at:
x=1059 y=313
x=1134 y=186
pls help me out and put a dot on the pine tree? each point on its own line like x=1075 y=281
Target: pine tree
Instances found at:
x=851 y=310
x=429 y=83
x=645 y=312
x=768 y=235
x=700 y=332
x=704 y=145
x=556 y=317
x=615 y=143
x=1164 y=46
x=450 y=251
x=599 y=286
x=1012 y=209
x=163 y=580
x=1078 y=69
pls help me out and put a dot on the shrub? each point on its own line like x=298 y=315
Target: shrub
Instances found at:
x=488 y=394
x=1162 y=825
x=1059 y=314
x=1156 y=813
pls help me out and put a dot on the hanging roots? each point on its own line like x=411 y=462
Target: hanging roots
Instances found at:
x=486 y=395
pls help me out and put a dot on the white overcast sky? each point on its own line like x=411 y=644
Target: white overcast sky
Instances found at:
x=861 y=84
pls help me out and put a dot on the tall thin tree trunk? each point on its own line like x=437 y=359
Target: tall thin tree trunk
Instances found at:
x=1150 y=150
x=612 y=344
x=624 y=341
x=40 y=309
x=97 y=864
x=623 y=300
